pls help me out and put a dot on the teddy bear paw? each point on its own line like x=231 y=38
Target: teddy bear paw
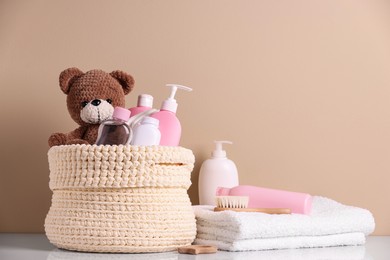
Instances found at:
x=57 y=139
x=77 y=141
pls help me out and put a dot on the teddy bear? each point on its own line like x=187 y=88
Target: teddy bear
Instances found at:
x=91 y=98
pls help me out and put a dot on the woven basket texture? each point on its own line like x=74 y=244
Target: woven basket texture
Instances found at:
x=130 y=199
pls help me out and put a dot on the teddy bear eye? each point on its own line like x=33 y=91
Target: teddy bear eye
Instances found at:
x=109 y=101
x=84 y=103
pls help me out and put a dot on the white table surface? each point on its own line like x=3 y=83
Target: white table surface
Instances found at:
x=36 y=247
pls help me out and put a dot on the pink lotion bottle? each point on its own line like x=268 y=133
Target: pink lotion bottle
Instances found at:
x=144 y=103
x=269 y=198
x=170 y=127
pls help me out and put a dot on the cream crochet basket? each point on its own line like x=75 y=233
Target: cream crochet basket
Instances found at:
x=120 y=198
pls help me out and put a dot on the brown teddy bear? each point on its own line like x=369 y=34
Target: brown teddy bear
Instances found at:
x=91 y=98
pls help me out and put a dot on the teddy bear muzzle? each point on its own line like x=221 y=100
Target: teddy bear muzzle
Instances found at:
x=96 y=111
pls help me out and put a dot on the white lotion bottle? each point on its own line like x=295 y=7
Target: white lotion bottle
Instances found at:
x=218 y=171
x=147 y=132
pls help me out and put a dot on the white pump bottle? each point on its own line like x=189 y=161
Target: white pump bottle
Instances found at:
x=218 y=171
x=170 y=127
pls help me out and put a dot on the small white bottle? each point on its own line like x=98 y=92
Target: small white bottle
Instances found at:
x=218 y=171
x=147 y=132
x=115 y=131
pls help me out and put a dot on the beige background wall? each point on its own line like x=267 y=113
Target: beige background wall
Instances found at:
x=301 y=87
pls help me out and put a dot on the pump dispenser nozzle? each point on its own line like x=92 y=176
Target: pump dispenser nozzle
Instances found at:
x=219 y=152
x=170 y=103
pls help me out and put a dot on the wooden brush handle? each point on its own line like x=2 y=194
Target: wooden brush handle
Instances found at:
x=265 y=210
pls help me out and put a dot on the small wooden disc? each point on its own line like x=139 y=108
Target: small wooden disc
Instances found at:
x=197 y=249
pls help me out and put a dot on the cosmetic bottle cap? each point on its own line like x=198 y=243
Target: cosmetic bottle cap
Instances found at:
x=145 y=100
x=170 y=103
x=121 y=113
x=219 y=152
x=150 y=120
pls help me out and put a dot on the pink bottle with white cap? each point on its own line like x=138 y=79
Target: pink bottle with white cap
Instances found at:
x=270 y=198
x=144 y=103
x=115 y=131
x=170 y=127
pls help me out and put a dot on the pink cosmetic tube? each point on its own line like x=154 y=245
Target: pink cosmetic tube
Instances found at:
x=269 y=198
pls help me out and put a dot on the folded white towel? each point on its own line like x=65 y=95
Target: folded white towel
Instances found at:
x=329 y=253
x=330 y=224
x=347 y=239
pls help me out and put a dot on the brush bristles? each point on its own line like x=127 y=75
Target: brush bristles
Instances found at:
x=232 y=202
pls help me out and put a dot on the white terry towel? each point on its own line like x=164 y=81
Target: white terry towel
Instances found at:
x=330 y=224
x=328 y=253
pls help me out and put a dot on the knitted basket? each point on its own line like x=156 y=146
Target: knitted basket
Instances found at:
x=120 y=198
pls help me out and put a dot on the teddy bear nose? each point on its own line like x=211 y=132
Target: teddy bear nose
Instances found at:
x=96 y=102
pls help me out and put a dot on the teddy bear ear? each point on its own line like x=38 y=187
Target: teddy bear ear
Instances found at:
x=126 y=80
x=67 y=77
